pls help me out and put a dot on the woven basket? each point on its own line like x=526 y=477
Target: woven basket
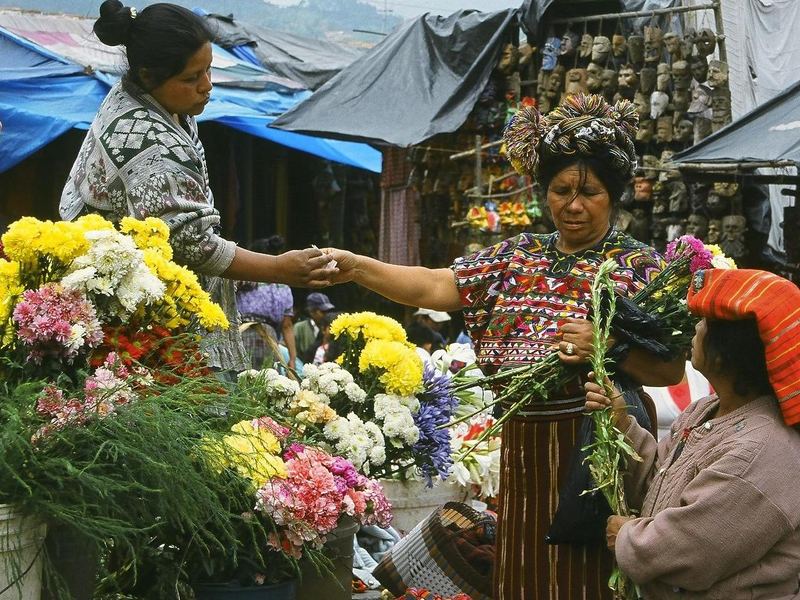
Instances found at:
x=428 y=557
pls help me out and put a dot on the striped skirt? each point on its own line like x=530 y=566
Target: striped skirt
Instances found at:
x=537 y=448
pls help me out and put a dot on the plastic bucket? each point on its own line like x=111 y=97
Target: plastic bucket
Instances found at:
x=74 y=559
x=21 y=555
x=412 y=501
x=339 y=585
x=284 y=590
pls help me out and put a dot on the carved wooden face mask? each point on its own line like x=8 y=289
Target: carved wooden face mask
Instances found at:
x=645 y=132
x=705 y=42
x=594 y=77
x=664 y=130
x=576 y=81
x=681 y=76
x=585 y=50
x=619 y=46
x=609 y=82
x=658 y=105
x=717 y=74
x=601 y=48
x=663 y=77
x=642 y=103
x=647 y=80
x=569 y=43
x=550 y=53
x=672 y=43
x=699 y=67
x=683 y=131
x=636 y=49
x=653 y=44
x=697 y=226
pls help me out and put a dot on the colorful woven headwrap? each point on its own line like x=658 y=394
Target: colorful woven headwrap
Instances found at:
x=774 y=302
x=583 y=124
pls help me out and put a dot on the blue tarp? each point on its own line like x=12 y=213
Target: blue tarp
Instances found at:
x=43 y=96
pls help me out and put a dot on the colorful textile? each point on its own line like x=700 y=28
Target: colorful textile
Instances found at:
x=516 y=293
x=582 y=125
x=774 y=302
x=137 y=161
x=268 y=302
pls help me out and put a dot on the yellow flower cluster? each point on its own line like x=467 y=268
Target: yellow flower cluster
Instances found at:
x=253 y=453
x=368 y=324
x=184 y=297
x=29 y=239
x=10 y=290
x=152 y=233
x=402 y=366
x=307 y=407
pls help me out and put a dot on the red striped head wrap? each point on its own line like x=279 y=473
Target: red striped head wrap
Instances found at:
x=774 y=302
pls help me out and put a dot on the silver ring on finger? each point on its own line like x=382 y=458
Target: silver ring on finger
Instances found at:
x=570 y=350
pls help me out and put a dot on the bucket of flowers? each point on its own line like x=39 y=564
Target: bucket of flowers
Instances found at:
x=103 y=397
x=379 y=407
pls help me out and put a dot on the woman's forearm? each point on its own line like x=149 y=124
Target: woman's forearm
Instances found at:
x=288 y=339
x=413 y=286
x=298 y=268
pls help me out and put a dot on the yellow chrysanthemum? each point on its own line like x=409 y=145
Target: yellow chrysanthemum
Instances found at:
x=308 y=408
x=401 y=366
x=10 y=290
x=184 y=298
x=151 y=233
x=29 y=239
x=251 y=452
x=93 y=222
x=369 y=325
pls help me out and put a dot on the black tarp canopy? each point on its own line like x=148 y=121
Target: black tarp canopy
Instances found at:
x=421 y=80
x=767 y=135
x=426 y=77
x=309 y=61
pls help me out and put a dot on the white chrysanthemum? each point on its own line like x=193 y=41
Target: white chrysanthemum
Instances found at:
x=377 y=455
x=411 y=403
x=337 y=429
x=399 y=425
x=355 y=393
x=385 y=404
x=77 y=334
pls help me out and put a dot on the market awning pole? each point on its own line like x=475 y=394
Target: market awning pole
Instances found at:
x=478 y=163
x=723 y=53
x=643 y=13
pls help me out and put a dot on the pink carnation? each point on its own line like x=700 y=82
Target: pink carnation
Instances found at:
x=689 y=246
x=56 y=322
x=316 y=492
x=275 y=428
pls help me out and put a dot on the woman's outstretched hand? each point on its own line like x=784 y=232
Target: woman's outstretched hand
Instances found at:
x=597 y=398
x=346 y=264
x=305 y=268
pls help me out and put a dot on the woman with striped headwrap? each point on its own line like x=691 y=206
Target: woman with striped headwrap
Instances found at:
x=527 y=295
x=719 y=512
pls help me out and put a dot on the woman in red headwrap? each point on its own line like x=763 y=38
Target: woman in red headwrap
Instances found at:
x=720 y=511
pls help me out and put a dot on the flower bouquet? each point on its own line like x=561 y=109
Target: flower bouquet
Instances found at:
x=378 y=406
x=479 y=466
x=655 y=318
x=103 y=394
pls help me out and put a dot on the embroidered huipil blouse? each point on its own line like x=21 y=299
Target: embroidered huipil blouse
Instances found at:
x=517 y=293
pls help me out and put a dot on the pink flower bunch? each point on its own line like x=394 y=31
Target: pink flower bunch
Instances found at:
x=104 y=391
x=690 y=246
x=56 y=322
x=317 y=491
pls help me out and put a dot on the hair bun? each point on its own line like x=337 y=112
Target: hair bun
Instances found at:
x=114 y=25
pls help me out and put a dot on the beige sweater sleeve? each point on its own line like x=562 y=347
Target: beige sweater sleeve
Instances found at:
x=709 y=536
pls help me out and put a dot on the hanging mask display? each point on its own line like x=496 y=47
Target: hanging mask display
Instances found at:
x=619 y=48
x=717 y=74
x=642 y=103
x=509 y=60
x=642 y=189
x=609 y=83
x=720 y=109
x=683 y=132
x=680 y=100
x=732 y=240
x=664 y=129
x=714 y=231
x=699 y=68
x=628 y=82
x=697 y=226
x=700 y=106
x=647 y=130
